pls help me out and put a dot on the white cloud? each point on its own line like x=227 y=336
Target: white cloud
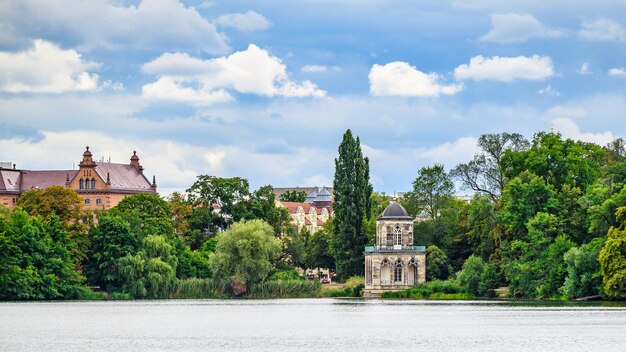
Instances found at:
x=244 y=22
x=401 y=79
x=516 y=28
x=619 y=72
x=314 y=68
x=451 y=153
x=46 y=68
x=549 y=91
x=602 y=29
x=585 y=69
x=569 y=129
x=251 y=71
x=506 y=69
x=152 y=24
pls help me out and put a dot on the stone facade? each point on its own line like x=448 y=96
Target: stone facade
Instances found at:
x=101 y=185
x=394 y=264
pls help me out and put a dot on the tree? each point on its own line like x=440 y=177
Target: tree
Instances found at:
x=318 y=248
x=437 y=264
x=35 y=261
x=229 y=194
x=111 y=240
x=151 y=272
x=180 y=210
x=613 y=259
x=470 y=275
x=262 y=206
x=583 y=270
x=244 y=255
x=293 y=196
x=65 y=204
x=482 y=226
x=484 y=173
x=352 y=194
x=431 y=190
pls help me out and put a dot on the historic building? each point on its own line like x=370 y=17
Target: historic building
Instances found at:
x=394 y=263
x=101 y=185
x=313 y=212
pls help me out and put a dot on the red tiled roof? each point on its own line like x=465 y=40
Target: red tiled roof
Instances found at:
x=45 y=178
x=319 y=222
x=306 y=207
x=123 y=177
x=307 y=222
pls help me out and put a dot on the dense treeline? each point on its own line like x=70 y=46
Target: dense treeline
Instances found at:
x=545 y=219
x=548 y=220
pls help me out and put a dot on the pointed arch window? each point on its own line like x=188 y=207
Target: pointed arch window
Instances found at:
x=397 y=271
x=397 y=236
x=81 y=184
x=93 y=183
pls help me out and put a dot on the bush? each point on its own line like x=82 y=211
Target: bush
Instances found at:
x=286 y=289
x=437 y=289
x=287 y=274
x=195 y=288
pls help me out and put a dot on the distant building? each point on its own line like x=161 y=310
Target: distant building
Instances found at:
x=313 y=212
x=101 y=185
x=278 y=191
x=394 y=263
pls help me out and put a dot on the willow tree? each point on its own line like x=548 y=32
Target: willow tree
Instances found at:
x=352 y=192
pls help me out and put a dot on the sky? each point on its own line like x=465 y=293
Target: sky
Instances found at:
x=265 y=89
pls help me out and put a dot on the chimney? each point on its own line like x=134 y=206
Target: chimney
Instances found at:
x=154 y=181
x=134 y=160
x=14 y=166
x=67 y=179
x=108 y=179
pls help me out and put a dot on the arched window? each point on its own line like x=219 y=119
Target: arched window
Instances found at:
x=81 y=184
x=87 y=201
x=397 y=271
x=93 y=183
x=98 y=201
x=397 y=236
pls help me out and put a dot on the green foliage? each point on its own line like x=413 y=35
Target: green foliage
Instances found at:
x=437 y=264
x=35 y=259
x=482 y=231
x=583 y=270
x=286 y=274
x=285 y=289
x=432 y=189
x=293 y=196
x=523 y=197
x=436 y=289
x=352 y=197
x=484 y=174
x=144 y=206
x=195 y=288
x=193 y=264
x=64 y=204
x=294 y=247
x=613 y=259
x=151 y=272
x=318 y=250
x=244 y=254
x=535 y=267
x=353 y=287
x=230 y=194
x=111 y=240
x=470 y=276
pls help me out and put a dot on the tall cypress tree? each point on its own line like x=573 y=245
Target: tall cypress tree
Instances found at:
x=352 y=193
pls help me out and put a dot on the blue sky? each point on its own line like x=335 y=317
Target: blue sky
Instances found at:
x=265 y=89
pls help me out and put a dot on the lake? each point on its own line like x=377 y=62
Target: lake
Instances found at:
x=311 y=325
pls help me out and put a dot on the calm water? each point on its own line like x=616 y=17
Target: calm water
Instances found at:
x=309 y=325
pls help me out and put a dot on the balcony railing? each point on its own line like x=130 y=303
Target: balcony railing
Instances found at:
x=389 y=249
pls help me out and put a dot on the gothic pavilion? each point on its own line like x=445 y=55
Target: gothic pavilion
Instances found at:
x=394 y=264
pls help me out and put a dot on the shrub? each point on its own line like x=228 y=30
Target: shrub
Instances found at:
x=285 y=289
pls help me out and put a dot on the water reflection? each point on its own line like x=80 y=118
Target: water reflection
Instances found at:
x=312 y=325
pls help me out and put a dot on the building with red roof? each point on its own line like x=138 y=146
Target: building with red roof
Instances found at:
x=102 y=185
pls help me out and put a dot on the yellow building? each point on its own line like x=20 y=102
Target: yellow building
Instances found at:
x=101 y=185
x=313 y=212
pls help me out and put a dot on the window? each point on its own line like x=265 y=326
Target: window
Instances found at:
x=93 y=183
x=87 y=201
x=14 y=199
x=397 y=272
x=397 y=235
x=81 y=184
x=98 y=201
